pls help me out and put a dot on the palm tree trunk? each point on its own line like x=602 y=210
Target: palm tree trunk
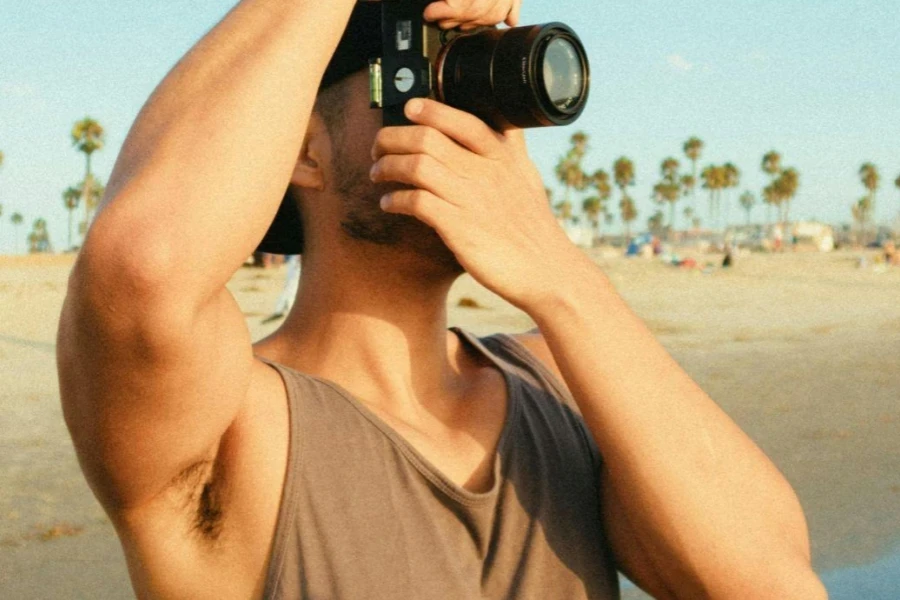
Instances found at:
x=70 y=228
x=86 y=191
x=671 y=220
x=872 y=208
x=727 y=207
x=694 y=187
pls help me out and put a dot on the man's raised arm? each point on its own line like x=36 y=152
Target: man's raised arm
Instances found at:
x=693 y=507
x=154 y=356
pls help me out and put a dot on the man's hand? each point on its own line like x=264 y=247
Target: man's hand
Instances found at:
x=467 y=14
x=482 y=194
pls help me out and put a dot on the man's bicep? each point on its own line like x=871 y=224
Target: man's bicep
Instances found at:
x=146 y=401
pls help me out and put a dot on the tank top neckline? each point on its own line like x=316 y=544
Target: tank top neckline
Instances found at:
x=423 y=465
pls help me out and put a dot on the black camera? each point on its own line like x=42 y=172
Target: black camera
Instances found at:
x=534 y=76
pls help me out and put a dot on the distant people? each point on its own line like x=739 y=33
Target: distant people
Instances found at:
x=289 y=293
x=778 y=236
x=728 y=261
x=891 y=255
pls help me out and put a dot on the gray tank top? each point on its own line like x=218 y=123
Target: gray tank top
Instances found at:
x=364 y=515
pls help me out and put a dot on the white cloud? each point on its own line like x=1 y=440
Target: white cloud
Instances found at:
x=679 y=63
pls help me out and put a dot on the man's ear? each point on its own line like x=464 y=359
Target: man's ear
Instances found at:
x=309 y=169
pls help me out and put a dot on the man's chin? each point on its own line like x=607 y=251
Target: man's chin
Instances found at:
x=415 y=241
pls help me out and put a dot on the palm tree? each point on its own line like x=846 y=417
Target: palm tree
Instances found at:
x=671 y=190
x=787 y=185
x=655 y=224
x=663 y=193
x=93 y=193
x=629 y=214
x=87 y=137
x=897 y=182
x=571 y=175
x=713 y=180
x=688 y=184
x=579 y=141
x=563 y=211
x=771 y=163
x=692 y=149
x=770 y=199
x=624 y=175
x=868 y=175
x=747 y=201
x=16 y=220
x=592 y=208
x=862 y=211
x=599 y=181
x=39 y=238
x=71 y=197
x=732 y=179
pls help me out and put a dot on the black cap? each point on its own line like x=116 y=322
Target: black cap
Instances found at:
x=360 y=42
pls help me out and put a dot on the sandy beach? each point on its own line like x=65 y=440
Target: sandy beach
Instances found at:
x=801 y=349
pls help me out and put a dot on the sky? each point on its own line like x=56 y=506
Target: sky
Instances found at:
x=816 y=80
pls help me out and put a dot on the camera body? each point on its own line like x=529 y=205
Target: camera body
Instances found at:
x=522 y=77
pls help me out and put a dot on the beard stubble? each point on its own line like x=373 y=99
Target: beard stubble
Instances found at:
x=364 y=220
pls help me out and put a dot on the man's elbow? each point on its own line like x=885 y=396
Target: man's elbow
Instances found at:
x=781 y=581
x=117 y=262
x=798 y=584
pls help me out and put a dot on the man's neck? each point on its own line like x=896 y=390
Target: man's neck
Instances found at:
x=379 y=332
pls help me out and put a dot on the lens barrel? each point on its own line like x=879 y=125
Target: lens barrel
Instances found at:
x=536 y=76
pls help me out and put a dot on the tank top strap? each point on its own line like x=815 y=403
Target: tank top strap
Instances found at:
x=511 y=355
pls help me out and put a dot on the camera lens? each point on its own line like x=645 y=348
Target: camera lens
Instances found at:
x=534 y=76
x=563 y=75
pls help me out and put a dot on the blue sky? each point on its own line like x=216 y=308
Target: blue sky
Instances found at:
x=818 y=80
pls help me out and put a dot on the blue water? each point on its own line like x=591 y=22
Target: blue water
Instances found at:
x=877 y=581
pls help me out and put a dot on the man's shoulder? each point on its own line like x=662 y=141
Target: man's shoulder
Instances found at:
x=533 y=341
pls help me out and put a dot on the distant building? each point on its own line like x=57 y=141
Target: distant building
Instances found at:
x=819 y=235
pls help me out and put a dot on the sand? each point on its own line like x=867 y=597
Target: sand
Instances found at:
x=801 y=349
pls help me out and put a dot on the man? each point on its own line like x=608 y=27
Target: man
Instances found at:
x=365 y=451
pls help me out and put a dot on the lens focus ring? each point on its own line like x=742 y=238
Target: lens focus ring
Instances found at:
x=523 y=77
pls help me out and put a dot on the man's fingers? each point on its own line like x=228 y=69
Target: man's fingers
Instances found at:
x=419 y=139
x=512 y=19
x=416 y=170
x=420 y=204
x=469 y=14
x=515 y=135
x=440 y=11
x=462 y=127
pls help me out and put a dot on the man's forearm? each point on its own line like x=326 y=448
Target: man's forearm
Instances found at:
x=697 y=489
x=204 y=167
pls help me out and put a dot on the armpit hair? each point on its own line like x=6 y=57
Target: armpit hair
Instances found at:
x=200 y=487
